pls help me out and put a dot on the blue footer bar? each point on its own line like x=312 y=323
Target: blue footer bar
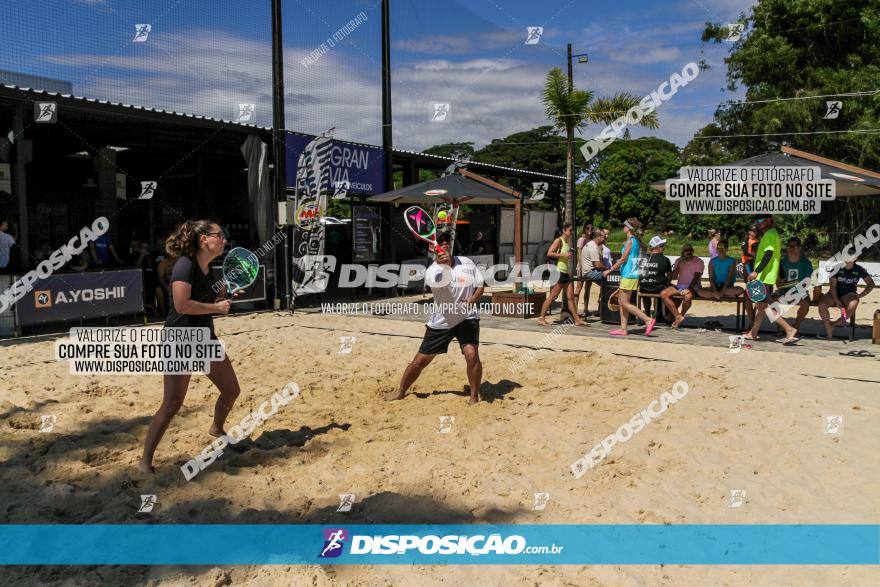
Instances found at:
x=247 y=544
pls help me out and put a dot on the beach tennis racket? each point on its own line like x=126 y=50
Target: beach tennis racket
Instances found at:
x=240 y=269
x=422 y=226
x=756 y=290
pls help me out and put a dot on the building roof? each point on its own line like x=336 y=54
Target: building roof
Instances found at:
x=11 y=91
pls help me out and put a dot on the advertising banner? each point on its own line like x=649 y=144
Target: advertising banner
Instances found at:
x=361 y=166
x=367 y=234
x=74 y=296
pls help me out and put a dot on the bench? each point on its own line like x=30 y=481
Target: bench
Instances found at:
x=739 y=300
x=814 y=303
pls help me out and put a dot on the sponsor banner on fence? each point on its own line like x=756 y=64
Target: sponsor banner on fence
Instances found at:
x=619 y=544
x=361 y=166
x=75 y=296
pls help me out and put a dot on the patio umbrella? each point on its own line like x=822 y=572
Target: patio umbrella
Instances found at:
x=461 y=187
x=458 y=188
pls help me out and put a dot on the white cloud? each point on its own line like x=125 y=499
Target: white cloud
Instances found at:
x=209 y=73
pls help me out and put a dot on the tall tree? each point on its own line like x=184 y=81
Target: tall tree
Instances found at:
x=571 y=109
x=809 y=52
x=621 y=186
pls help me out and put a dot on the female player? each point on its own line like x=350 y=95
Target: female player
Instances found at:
x=560 y=251
x=195 y=243
x=629 y=278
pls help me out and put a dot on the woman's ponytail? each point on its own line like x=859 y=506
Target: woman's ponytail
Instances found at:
x=184 y=241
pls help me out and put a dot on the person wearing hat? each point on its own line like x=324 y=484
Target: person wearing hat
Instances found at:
x=658 y=270
x=767 y=258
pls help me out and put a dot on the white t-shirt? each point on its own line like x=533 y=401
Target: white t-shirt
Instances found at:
x=590 y=255
x=452 y=287
x=606 y=256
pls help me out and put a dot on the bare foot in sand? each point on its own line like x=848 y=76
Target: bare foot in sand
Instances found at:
x=677 y=322
x=216 y=431
x=394 y=395
x=146 y=468
x=475 y=396
x=542 y=322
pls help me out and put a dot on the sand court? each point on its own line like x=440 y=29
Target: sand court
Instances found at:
x=751 y=421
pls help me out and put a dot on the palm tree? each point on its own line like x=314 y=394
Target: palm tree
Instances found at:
x=571 y=109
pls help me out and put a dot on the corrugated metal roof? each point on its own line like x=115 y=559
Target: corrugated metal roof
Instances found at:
x=138 y=108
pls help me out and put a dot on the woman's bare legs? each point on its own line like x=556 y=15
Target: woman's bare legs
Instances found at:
x=175 y=387
x=222 y=375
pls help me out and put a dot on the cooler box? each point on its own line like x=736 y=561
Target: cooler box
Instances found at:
x=609 y=286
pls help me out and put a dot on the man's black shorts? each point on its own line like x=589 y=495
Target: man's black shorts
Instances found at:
x=436 y=341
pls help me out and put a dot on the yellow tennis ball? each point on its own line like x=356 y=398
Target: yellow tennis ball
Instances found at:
x=441 y=215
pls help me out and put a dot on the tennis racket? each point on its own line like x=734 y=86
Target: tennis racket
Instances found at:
x=422 y=226
x=240 y=269
x=756 y=290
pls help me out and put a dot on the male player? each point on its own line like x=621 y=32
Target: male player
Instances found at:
x=457 y=286
x=766 y=270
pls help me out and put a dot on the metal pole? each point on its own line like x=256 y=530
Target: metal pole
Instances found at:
x=386 y=95
x=282 y=258
x=388 y=245
x=569 y=185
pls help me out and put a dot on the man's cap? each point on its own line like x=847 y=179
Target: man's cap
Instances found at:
x=656 y=241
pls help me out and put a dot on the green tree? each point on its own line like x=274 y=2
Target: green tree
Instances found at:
x=799 y=49
x=539 y=149
x=621 y=186
x=571 y=109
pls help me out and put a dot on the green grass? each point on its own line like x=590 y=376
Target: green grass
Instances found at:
x=674 y=244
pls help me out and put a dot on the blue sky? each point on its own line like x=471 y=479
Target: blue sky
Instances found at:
x=207 y=57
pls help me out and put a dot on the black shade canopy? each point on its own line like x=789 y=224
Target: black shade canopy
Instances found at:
x=453 y=187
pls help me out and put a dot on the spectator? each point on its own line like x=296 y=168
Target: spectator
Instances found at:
x=6 y=242
x=101 y=250
x=749 y=246
x=714 y=239
x=766 y=271
x=748 y=250
x=658 y=269
x=844 y=294
x=688 y=270
x=794 y=267
x=561 y=252
x=722 y=274
x=606 y=252
x=80 y=262
x=478 y=245
x=44 y=250
x=591 y=267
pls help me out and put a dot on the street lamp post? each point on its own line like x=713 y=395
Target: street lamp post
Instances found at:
x=569 y=175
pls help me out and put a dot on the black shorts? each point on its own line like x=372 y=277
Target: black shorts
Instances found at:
x=564 y=278
x=436 y=340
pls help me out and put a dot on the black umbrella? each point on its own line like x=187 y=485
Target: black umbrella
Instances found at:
x=453 y=188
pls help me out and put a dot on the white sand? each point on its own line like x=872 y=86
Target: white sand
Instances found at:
x=751 y=421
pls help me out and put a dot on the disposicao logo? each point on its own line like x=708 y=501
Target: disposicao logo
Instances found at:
x=334 y=541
